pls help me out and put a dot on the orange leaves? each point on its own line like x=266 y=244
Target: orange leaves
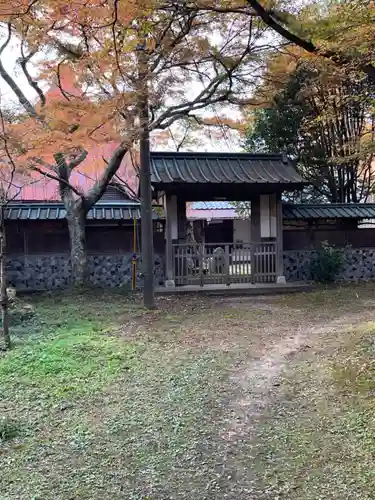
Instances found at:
x=101 y=57
x=66 y=126
x=13 y=8
x=90 y=14
x=68 y=121
x=225 y=122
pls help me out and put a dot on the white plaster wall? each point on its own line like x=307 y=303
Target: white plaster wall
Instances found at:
x=268 y=221
x=273 y=215
x=242 y=230
x=265 y=231
x=171 y=214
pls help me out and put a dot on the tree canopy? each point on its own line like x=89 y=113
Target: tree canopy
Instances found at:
x=323 y=119
x=337 y=30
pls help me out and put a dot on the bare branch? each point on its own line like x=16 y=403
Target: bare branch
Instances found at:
x=339 y=59
x=96 y=192
x=52 y=176
x=78 y=160
x=62 y=90
x=127 y=186
x=25 y=103
x=24 y=60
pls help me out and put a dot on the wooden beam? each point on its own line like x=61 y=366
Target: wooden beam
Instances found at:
x=181 y=218
x=279 y=241
x=255 y=219
x=171 y=234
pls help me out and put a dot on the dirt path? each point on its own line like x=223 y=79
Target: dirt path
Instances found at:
x=259 y=339
x=290 y=333
x=260 y=377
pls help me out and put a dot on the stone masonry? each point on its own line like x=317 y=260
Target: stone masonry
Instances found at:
x=48 y=272
x=359 y=264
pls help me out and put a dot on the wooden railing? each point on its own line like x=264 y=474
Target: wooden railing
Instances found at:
x=224 y=263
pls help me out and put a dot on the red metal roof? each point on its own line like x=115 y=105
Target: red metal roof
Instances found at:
x=67 y=82
x=36 y=188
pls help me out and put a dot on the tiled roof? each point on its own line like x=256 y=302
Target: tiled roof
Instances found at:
x=211 y=205
x=329 y=211
x=114 y=210
x=224 y=168
x=296 y=211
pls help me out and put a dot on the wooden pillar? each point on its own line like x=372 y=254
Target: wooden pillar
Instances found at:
x=171 y=235
x=255 y=219
x=254 y=235
x=280 y=278
x=181 y=219
x=310 y=233
x=25 y=257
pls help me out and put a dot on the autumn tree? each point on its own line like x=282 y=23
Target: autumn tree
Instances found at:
x=338 y=30
x=11 y=182
x=5 y=196
x=138 y=65
x=184 y=135
x=188 y=134
x=53 y=137
x=322 y=118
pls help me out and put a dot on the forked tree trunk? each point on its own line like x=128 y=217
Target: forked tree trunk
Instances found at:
x=77 y=207
x=3 y=285
x=78 y=255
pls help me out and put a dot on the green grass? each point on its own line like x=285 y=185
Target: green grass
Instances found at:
x=347 y=297
x=89 y=414
x=100 y=398
x=319 y=442
x=66 y=345
x=9 y=429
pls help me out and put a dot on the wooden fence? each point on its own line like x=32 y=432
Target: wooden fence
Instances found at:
x=224 y=263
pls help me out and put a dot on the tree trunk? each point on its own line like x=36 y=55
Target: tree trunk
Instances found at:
x=146 y=225
x=3 y=285
x=147 y=242
x=78 y=256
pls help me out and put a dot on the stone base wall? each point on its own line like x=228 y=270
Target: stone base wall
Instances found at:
x=359 y=264
x=48 y=272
